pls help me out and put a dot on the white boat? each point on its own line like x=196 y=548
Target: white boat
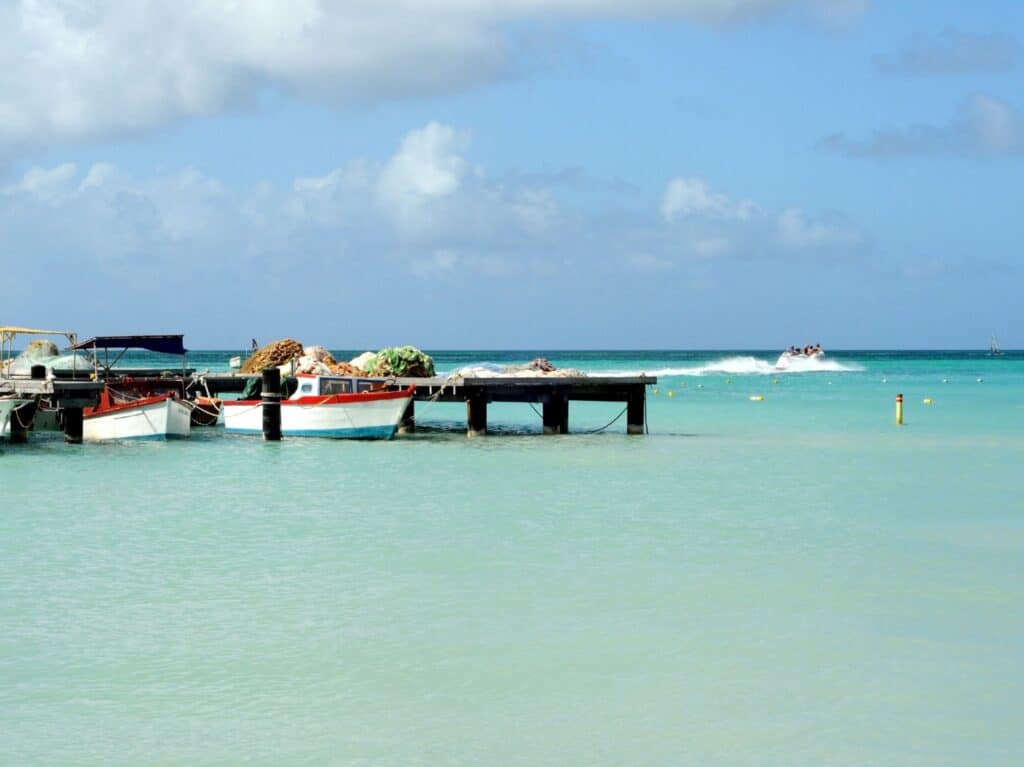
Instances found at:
x=993 y=349
x=135 y=409
x=326 y=406
x=7 y=407
x=235 y=362
x=158 y=417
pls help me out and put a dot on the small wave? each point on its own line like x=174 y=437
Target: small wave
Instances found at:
x=750 y=366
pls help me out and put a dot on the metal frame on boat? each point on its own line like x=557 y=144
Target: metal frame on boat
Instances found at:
x=8 y=333
x=130 y=409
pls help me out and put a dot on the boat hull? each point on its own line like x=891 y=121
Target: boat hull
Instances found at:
x=152 y=418
x=372 y=415
x=7 y=408
x=205 y=411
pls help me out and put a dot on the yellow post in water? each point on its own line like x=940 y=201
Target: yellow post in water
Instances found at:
x=899 y=409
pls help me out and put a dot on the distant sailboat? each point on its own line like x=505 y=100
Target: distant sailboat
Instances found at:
x=993 y=349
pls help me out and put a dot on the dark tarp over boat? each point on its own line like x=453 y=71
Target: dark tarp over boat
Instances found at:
x=163 y=344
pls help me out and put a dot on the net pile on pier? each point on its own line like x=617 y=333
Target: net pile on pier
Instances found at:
x=292 y=357
x=401 y=361
x=537 y=368
x=273 y=355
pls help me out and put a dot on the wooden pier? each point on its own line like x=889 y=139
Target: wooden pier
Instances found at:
x=68 y=396
x=554 y=394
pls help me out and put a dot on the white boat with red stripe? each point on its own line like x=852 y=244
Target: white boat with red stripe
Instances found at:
x=327 y=406
x=161 y=416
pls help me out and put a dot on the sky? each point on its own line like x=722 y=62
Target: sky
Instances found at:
x=684 y=174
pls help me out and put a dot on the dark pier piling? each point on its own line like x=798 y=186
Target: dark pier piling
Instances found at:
x=72 y=417
x=272 y=405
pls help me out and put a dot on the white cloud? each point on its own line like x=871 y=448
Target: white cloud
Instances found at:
x=425 y=211
x=49 y=184
x=427 y=167
x=952 y=53
x=995 y=125
x=712 y=247
x=983 y=125
x=646 y=262
x=796 y=231
x=72 y=70
x=704 y=224
x=440 y=261
x=689 y=197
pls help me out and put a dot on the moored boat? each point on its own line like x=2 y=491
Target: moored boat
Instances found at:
x=205 y=411
x=158 y=417
x=326 y=406
x=133 y=406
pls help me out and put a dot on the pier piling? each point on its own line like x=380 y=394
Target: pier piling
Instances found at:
x=635 y=412
x=556 y=414
x=271 y=399
x=476 y=414
x=72 y=425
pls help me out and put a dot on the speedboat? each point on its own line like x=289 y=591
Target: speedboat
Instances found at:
x=788 y=358
x=161 y=416
x=327 y=406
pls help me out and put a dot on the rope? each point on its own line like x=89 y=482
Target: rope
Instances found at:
x=592 y=431
x=610 y=423
x=21 y=423
x=324 y=401
x=196 y=406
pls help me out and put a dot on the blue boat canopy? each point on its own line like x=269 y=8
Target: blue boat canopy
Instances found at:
x=163 y=344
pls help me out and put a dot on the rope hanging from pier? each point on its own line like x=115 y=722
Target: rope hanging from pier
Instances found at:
x=21 y=423
x=593 y=431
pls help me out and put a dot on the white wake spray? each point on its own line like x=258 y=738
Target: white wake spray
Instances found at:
x=747 y=365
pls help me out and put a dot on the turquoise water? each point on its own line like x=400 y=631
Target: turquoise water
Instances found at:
x=784 y=582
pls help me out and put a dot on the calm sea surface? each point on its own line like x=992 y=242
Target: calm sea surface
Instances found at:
x=793 y=581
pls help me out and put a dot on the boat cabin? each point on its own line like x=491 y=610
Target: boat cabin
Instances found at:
x=310 y=385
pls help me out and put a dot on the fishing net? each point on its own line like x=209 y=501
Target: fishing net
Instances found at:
x=401 y=361
x=273 y=355
x=46 y=353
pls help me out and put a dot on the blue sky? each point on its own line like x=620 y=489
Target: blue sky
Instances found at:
x=574 y=173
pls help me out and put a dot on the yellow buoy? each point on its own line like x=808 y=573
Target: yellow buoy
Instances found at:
x=928 y=400
x=756 y=397
x=671 y=394
x=654 y=392
x=776 y=382
x=728 y=380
